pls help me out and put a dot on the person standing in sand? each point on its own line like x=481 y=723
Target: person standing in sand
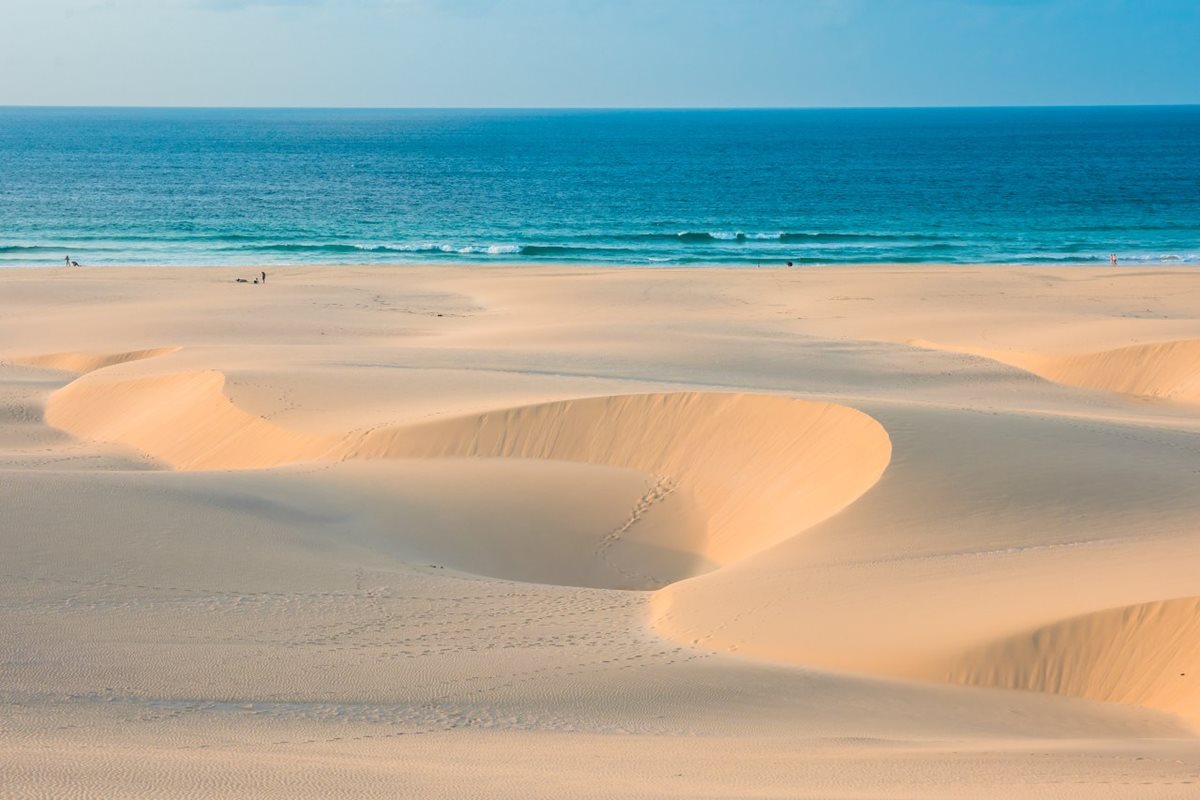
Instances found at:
x=68 y=260
x=1112 y=259
x=264 y=277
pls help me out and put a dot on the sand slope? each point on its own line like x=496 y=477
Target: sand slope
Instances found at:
x=759 y=468
x=1162 y=370
x=181 y=419
x=1145 y=654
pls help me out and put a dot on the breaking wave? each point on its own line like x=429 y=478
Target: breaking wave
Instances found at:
x=686 y=247
x=799 y=237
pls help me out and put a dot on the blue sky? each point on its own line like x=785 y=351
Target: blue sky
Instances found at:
x=599 y=52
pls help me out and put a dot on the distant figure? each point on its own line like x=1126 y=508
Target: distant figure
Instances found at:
x=789 y=263
x=264 y=277
x=68 y=260
x=74 y=263
x=255 y=281
x=1112 y=259
x=242 y=280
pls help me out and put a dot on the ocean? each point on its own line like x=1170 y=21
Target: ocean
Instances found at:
x=245 y=186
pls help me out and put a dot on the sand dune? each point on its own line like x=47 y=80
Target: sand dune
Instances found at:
x=1146 y=655
x=1161 y=370
x=679 y=533
x=82 y=363
x=183 y=420
x=758 y=468
x=1169 y=370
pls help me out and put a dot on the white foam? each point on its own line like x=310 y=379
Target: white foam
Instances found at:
x=490 y=250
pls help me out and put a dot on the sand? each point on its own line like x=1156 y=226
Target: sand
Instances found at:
x=869 y=532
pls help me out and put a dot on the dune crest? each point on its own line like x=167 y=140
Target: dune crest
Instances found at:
x=1146 y=654
x=83 y=363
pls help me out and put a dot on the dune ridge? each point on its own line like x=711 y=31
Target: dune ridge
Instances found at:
x=1146 y=654
x=760 y=468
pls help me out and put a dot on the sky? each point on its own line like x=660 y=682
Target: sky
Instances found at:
x=599 y=53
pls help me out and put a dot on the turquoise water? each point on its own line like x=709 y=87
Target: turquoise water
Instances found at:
x=124 y=186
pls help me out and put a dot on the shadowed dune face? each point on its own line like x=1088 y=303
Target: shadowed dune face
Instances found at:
x=756 y=468
x=537 y=521
x=1146 y=654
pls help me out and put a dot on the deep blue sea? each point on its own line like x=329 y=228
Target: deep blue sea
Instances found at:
x=1034 y=185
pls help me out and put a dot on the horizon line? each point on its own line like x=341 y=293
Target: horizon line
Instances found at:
x=981 y=106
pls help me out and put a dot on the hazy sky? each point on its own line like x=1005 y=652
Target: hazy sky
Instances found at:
x=598 y=52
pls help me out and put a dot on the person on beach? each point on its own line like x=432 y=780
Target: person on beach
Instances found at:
x=68 y=260
x=1112 y=259
x=264 y=277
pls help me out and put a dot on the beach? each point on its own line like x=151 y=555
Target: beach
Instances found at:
x=872 y=531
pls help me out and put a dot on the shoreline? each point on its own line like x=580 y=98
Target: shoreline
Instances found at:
x=534 y=265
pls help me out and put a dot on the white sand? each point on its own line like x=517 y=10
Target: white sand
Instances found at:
x=565 y=532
